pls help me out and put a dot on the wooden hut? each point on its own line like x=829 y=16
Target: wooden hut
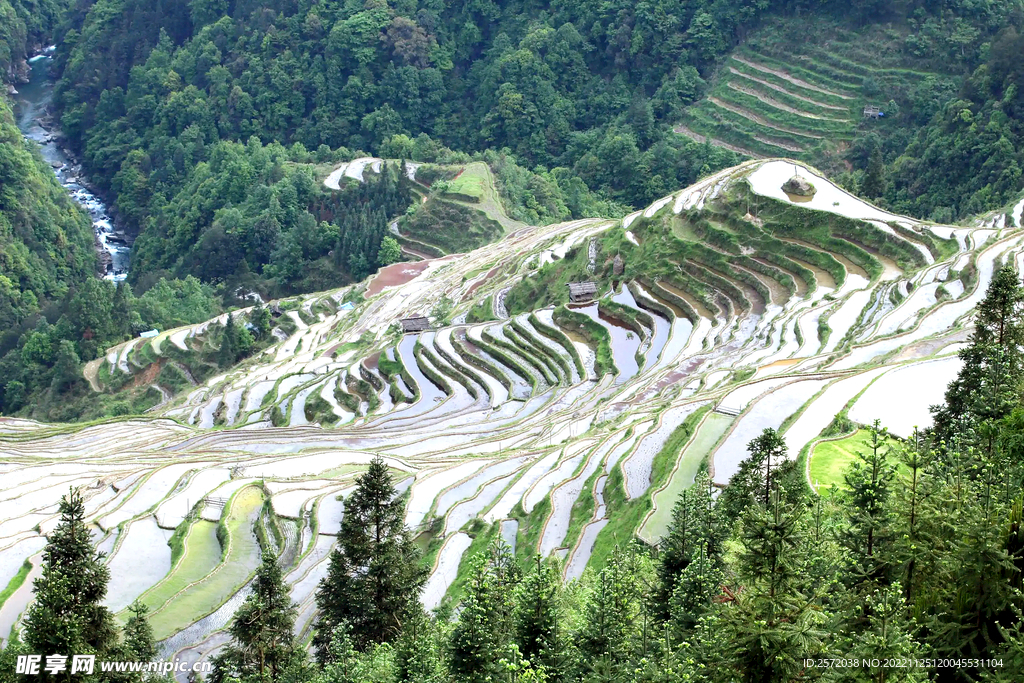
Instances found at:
x=582 y=291
x=418 y=324
x=872 y=112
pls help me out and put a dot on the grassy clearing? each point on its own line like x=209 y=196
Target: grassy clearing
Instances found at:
x=238 y=559
x=469 y=185
x=829 y=460
x=451 y=227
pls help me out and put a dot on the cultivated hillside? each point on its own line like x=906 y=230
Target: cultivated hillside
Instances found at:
x=800 y=88
x=721 y=309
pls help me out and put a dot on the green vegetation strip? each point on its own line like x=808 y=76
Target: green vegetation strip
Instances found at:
x=624 y=515
x=239 y=555
x=557 y=336
x=505 y=359
x=481 y=364
x=16 y=582
x=451 y=370
x=526 y=347
x=529 y=335
x=693 y=456
x=428 y=370
x=196 y=557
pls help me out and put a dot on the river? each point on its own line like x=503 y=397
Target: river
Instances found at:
x=30 y=105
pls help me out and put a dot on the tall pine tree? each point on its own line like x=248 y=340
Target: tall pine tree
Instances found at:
x=262 y=642
x=373 y=580
x=537 y=615
x=67 y=616
x=988 y=385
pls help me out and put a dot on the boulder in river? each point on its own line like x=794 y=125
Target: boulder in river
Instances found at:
x=798 y=186
x=57 y=165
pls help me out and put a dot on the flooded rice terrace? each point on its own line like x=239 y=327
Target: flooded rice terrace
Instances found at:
x=30 y=110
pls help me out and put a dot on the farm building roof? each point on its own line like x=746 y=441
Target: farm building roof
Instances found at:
x=418 y=324
x=582 y=289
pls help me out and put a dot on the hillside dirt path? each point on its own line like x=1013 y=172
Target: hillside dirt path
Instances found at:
x=771 y=102
x=751 y=116
x=779 y=88
x=697 y=137
x=786 y=77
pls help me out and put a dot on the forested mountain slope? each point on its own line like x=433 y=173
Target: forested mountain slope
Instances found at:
x=162 y=98
x=46 y=241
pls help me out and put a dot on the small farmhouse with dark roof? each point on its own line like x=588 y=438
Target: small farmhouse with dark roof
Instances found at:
x=582 y=291
x=419 y=324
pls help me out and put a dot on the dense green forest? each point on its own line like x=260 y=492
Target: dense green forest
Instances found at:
x=910 y=571
x=25 y=24
x=151 y=93
x=208 y=125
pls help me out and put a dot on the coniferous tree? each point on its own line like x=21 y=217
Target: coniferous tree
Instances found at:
x=137 y=643
x=693 y=533
x=137 y=637
x=873 y=185
x=373 y=579
x=67 y=616
x=123 y=310
x=617 y=624
x=484 y=634
x=771 y=620
x=228 y=345
x=988 y=385
x=537 y=616
x=758 y=475
x=914 y=525
x=869 y=536
x=262 y=642
x=422 y=649
x=887 y=638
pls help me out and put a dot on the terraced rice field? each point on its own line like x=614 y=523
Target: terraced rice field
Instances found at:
x=763 y=103
x=507 y=425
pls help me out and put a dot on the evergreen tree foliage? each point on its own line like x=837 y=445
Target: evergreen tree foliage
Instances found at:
x=762 y=472
x=262 y=630
x=617 y=622
x=137 y=644
x=421 y=652
x=869 y=535
x=484 y=635
x=873 y=184
x=772 y=619
x=67 y=616
x=989 y=383
x=694 y=535
x=537 y=616
x=373 y=579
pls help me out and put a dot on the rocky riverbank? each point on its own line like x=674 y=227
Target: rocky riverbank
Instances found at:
x=32 y=102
